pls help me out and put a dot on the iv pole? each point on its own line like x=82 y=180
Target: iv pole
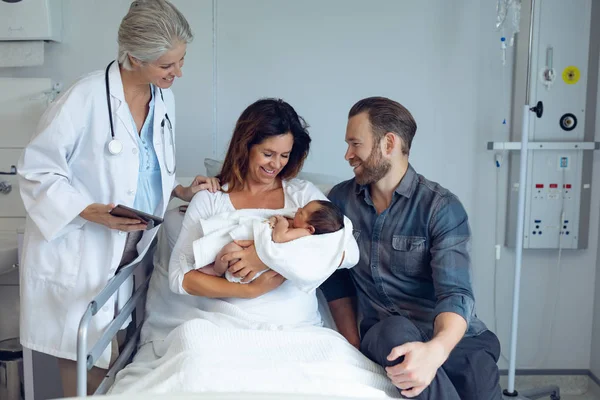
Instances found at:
x=525 y=147
x=510 y=392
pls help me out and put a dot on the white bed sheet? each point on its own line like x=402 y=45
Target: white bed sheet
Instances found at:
x=213 y=354
x=191 y=345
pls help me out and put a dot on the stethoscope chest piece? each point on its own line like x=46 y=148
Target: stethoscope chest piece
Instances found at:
x=115 y=147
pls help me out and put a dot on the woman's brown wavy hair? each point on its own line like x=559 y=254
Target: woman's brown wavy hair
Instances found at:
x=261 y=120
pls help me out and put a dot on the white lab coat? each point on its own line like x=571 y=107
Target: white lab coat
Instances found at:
x=67 y=260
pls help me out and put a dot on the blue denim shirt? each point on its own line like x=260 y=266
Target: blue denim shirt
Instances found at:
x=414 y=256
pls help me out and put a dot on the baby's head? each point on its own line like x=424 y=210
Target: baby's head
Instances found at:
x=319 y=217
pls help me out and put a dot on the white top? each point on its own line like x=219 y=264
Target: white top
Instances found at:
x=284 y=305
x=168 y=305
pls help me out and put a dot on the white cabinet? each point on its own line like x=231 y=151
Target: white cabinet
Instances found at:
x=22 y=103
x=11 y=204
x=30 y=20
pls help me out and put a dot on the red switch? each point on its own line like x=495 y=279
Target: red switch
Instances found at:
x=539 y=185
x=553 y=185
x=568 y=186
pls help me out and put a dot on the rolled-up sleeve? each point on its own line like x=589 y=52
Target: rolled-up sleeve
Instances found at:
x=338 y=286
x=450 y=258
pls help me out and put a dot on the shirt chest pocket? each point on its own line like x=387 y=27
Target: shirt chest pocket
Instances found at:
x=409 y=255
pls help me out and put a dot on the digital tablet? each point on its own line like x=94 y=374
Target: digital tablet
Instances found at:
x=127 y=212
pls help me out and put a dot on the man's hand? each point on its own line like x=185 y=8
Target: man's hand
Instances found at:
x=248 y=263
x=199 y=183
x=100 y=214
x=421 y=362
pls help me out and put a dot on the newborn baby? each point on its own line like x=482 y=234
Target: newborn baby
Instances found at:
x=315 y=218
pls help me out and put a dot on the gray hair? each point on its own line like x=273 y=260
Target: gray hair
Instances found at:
x=149 y=30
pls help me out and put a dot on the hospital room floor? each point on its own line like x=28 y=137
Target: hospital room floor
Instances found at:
x=577 y=387
x=586 y=396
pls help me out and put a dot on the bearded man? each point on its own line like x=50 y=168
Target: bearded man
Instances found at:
x=412 y=285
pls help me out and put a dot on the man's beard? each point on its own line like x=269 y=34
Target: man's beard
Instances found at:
x=373 y=168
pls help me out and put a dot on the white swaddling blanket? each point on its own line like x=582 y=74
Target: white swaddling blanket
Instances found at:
x=306 y=262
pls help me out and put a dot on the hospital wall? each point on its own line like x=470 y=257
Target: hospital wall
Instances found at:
x=595 y=353
x=595 y=350
x=440 y=59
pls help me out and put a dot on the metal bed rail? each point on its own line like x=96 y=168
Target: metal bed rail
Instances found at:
x=85 y=358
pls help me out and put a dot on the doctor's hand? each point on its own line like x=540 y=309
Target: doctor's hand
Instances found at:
x=417 y=370
x=244 y=263
x=100 y=214
x=199 y=183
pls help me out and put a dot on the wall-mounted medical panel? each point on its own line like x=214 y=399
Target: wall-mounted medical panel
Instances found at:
x=559 y=73
x=564 y=64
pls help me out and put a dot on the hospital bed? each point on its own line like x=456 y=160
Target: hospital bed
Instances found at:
x=86 y=357
x=134 y=308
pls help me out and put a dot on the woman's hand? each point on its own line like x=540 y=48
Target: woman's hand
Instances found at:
x=248 y=264
x=264 y=283
x=199 y=183
x=100 y=214
x=220 y=265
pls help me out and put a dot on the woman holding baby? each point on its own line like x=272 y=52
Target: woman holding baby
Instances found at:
x=269 y=145
x=213 y=328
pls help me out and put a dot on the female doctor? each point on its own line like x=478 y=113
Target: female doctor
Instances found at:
x=109 y=139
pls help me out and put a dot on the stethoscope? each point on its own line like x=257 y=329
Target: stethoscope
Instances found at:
x=115 y=147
